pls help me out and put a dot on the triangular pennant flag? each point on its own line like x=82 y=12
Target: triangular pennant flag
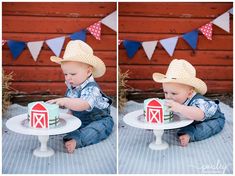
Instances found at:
x=131 y=47
x=191 y=38
x=16 y=47
x=111 y=21
x=169 y=44
x=222 y=21
x=81 y=35
x=95 y=30
x=35 y=48
x=149 y=48
x=119 y=42
x=207 y=30
x=3 y=42
x=56 y=44
x=231 y=11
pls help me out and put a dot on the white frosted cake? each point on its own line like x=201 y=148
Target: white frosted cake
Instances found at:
x=156 y=112
x=43 y=115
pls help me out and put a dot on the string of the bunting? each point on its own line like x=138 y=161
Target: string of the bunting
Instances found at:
x=56 y=44
x=169 y=44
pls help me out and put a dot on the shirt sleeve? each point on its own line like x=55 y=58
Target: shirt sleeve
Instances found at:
x=208 y=107
x=94 y=98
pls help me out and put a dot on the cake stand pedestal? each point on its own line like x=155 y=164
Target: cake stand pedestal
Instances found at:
x=67 y=123
x=43 y=150
x=136 y=119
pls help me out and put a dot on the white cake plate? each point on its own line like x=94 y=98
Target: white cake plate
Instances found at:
x=136 y=119
x=67 y=123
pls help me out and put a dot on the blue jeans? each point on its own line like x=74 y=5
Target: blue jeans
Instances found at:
x=92 y=133
x=201 y=130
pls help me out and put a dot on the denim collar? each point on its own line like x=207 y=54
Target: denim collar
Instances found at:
x=80 y=87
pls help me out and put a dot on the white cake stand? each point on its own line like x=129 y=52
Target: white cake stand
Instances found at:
x=20 y=124
x=136 y=119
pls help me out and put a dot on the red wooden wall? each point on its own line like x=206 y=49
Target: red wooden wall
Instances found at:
x=44 y=20
x=153 y=21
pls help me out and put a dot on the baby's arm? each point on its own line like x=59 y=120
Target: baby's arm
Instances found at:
x=190 y=112
x=75 y=104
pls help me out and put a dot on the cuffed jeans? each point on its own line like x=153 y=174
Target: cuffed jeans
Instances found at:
x=201 y=130
x=93 y=133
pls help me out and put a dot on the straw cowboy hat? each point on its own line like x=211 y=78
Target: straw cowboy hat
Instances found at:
x=181 y=71
x=79 y=51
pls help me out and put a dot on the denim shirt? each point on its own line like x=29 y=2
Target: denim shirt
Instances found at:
x=91 y=94
x=95 y=113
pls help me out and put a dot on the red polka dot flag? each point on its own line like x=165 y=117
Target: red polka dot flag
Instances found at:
x=95 y=30
x=207 y=30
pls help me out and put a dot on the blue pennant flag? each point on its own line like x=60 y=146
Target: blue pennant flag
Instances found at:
x=191 y=38
x=131 y=47
x=81 y=35
x=16 y=47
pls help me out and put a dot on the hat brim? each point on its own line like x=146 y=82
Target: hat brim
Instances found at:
x=97 y=64
x=198 y=84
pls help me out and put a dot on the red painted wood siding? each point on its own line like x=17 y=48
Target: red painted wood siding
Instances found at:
x=40 y=21
x=154 y=21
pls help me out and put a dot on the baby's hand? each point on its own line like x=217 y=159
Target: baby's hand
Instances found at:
x=173 y=106
x=60 y=101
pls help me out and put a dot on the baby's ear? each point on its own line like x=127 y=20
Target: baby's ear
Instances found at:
x=192 y=90
x=90 y=70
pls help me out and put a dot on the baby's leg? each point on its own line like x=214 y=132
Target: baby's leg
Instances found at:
x=201 y=130
x=207 y=129
x=92 y=133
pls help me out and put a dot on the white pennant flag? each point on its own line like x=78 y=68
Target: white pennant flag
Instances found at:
x=169 y=44
x=149 y=48
x=222 y=21
x=35 y=48
x=111 y=21
x=56 y=44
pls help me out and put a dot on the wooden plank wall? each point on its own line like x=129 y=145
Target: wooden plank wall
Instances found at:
x=40 y=21
x=153 y=21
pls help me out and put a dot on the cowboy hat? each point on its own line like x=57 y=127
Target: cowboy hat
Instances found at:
x=181 y=71
x=79 y=51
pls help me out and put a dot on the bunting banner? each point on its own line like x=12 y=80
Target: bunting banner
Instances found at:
x=35 y=48
x=169 y=44
x=191 y=38
x=81 y=35
x=231 y=11
x=111 y=21
x=56 y=44
x=131 y=47
x=16 y=47
x=119 y=42
x=149 y=48
x=207 y=31
x=222 y=21
x=95 y=30
x=3 y=42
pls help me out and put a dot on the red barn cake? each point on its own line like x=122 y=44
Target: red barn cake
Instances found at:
x=156 y=112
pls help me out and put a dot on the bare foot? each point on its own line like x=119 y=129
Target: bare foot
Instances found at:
x=70 y=145
x=184 y=140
